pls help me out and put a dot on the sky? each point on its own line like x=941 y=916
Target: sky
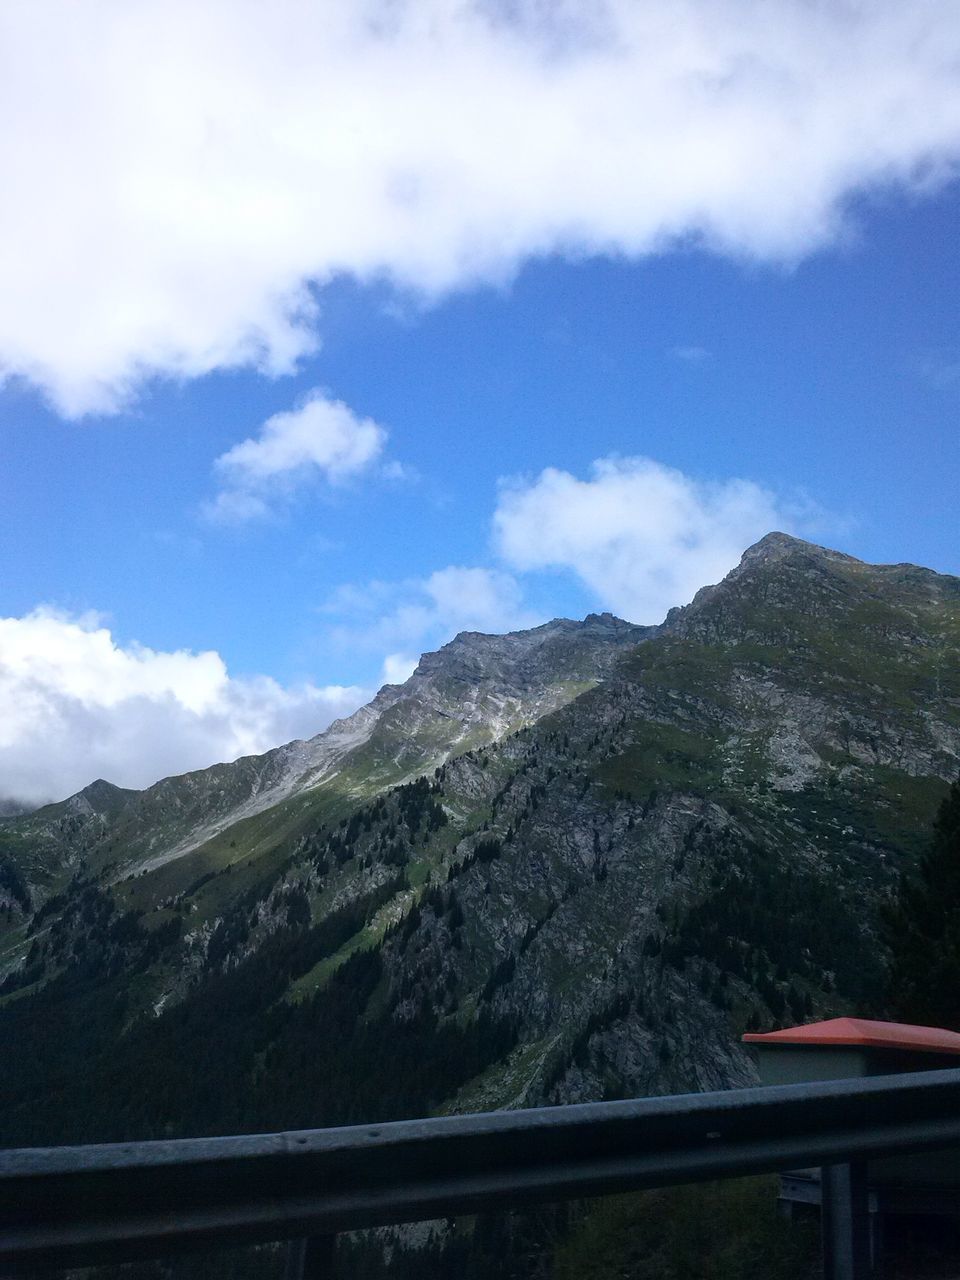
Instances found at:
x=328 y=330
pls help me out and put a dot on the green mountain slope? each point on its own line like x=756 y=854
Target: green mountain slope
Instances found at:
x=244 y=816
x=595 y=904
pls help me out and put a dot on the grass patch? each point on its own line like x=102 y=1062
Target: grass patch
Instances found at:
x=309 y=983
x=883 y=807
x=664 y=756
x=263 y=841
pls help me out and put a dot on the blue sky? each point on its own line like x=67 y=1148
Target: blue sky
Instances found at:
x=520 y=423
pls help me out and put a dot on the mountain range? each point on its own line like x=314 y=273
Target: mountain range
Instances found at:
x=563 y=864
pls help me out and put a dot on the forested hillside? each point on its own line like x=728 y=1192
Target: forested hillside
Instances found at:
x=594 y=905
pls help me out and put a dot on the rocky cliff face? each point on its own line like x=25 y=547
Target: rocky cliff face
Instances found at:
x=626 y=846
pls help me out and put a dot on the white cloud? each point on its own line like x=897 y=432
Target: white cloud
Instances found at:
x=398 y=668
x=475 y=600
x=422 y=613
x=77 y=706
x=178 y=177
x=322 y=437
x=640 y=536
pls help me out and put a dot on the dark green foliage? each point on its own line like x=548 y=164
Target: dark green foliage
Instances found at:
x=92 y=940
x=383 y=1068
x=763 y=916
x=455 y=917
x=232 y=1056
x=502 y=974
x=228 y=937
x=487 y=850
x=12 y=884
x=411 y=923
x=618 y=1006
x=298 y=908
x=535 y=926
x=417 y=806
x=199 y=883
x=395 y=854
x=513 y=1246
x=31 y=972
x=382 y=831
x=52 y=906
x=262 y=888
x=724 y=1231
x=434 y=900
x=313 y=943
x=923 y=930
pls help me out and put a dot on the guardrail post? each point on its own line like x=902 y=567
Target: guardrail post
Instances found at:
x=310 y=1258
x=845 y=1221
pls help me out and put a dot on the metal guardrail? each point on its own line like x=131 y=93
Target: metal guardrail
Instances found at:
x=73 y=1206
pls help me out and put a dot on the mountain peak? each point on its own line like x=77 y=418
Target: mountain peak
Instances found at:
x=605 y=619
x=101 y=797
x=101 y=786
x=776 y=546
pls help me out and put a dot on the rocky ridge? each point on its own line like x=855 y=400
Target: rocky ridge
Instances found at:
x=474 y=690
x=592 y=903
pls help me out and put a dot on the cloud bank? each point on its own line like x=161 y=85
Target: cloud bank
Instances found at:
x=641 y=537
x=179 y=180
x=77 y=706
x=322 y=438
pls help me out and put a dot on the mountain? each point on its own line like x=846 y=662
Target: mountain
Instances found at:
x=476 y=689
x=566 y=864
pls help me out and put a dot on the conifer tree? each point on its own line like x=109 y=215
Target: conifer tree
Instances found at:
x=923 y=930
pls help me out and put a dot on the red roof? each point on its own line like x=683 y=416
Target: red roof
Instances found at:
x=865 y=1033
